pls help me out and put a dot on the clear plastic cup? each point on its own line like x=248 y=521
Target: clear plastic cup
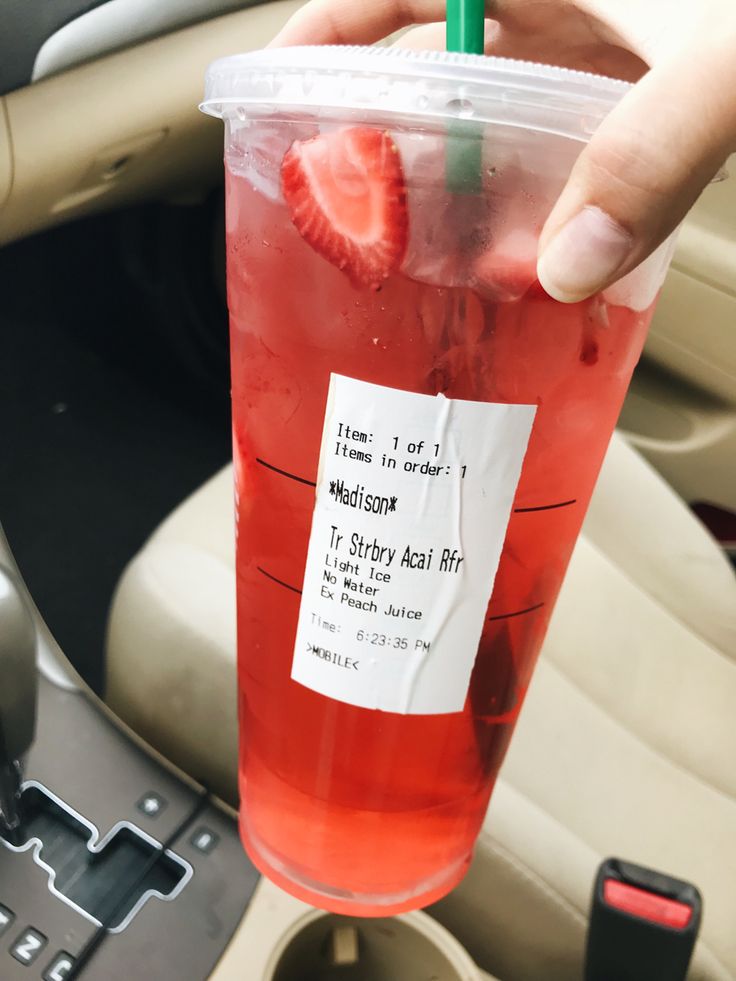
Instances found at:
x=417 y=430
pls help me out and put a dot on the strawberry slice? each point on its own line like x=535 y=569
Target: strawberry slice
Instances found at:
x=346 y=194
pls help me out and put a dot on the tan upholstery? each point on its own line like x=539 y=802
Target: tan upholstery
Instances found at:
x=626 y=746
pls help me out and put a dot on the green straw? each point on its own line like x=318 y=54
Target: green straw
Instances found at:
x=465 y=34
x=465 y=26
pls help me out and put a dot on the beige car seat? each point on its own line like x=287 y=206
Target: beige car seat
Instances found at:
x=626 y=745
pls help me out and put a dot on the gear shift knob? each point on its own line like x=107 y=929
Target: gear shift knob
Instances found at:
x=18 y=689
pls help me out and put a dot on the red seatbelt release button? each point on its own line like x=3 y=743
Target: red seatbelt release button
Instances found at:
x=643 y=924
x=646 y=905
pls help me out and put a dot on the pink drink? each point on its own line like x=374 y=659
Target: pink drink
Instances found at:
x=351 y=808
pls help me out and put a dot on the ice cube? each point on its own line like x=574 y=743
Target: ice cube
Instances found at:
x=257 y=149
x=639 y=289
x=508 y=268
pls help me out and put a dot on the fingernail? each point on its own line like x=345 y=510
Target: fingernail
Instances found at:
x=583 y=256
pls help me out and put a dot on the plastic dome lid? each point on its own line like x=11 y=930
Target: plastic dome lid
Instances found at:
x=426 y=86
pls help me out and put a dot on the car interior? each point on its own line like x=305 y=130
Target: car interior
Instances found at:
x=116 y=506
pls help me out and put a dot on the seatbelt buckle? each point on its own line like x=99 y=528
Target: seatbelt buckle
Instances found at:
x=643 y=925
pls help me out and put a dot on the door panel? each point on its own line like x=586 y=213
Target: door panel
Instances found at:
x=124 y=128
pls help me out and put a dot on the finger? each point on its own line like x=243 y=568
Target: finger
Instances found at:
x=353 y=22
x=427 y=37
x=566 y=44
x=640 y=174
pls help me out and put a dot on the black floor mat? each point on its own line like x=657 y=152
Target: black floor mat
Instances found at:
x=105 y=428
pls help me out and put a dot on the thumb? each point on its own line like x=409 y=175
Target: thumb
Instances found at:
x=640 y=174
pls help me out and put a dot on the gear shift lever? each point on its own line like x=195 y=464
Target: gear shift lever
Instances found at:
x=18 y=689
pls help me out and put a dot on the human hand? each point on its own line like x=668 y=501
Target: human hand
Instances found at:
x=652 y=156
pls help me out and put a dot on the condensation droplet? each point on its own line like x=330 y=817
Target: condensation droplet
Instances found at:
x=461 y=107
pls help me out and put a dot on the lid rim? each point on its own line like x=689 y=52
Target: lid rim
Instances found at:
x=271 y=77
x=261 y=57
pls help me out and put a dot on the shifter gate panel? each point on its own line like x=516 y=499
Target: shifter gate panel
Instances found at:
x=105 y=880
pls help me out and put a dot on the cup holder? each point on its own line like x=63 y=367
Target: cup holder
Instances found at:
x=412 y=947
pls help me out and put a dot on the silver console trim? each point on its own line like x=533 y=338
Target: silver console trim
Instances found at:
x=96 y=844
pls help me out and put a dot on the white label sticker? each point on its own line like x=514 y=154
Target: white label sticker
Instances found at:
x=413 y=498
